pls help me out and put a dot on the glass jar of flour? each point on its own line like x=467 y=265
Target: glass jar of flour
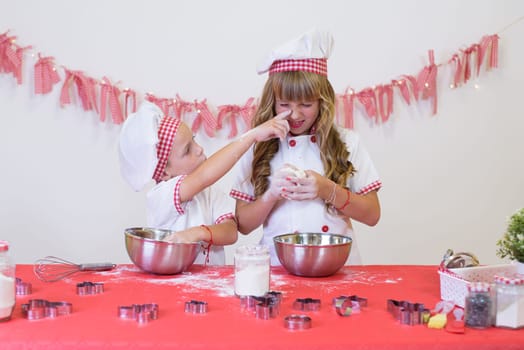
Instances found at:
x=510 y=301
x=252 y=269
x=7 y=283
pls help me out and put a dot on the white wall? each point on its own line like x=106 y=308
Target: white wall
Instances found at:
x=450 y=180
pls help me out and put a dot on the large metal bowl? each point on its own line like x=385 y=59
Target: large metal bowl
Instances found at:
x=312 y=254
x=147 y=251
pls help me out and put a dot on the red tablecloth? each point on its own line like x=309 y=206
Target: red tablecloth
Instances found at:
x=94 y=323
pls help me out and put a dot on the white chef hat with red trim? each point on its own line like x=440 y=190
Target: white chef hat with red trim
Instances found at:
x=144 y=145
x=309 y=52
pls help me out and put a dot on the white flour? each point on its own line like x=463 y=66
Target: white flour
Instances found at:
x=252 y=280
x=206 y=280
x=7 y=295
x=221 y=284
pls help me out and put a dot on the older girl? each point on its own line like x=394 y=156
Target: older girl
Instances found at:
x=320 y=176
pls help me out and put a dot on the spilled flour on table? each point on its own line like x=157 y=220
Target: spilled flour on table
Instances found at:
x=329 y=285
x=363 y=277
x=221 y=281
x=192 y=282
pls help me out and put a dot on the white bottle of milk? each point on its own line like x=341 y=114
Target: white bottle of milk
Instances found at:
x=7 y=283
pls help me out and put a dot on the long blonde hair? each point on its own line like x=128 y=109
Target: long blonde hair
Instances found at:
x=301 y=86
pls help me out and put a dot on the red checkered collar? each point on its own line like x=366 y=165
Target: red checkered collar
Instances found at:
x=166 y=134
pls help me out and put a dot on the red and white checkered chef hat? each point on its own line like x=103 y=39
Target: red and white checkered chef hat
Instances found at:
x=144 y=145
x=309 y=53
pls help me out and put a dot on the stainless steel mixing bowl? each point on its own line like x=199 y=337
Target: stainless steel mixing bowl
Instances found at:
x=312 y=254
x=147 y=251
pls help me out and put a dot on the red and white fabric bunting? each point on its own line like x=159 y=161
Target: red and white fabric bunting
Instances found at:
x=111 y=93
x=378 y=100
x=233 y=112
x=85 y=87
x=11 y=56
x=45 y=75
x=205 y=117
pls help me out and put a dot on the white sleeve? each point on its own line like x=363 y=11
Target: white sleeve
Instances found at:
x=242 y=187
x=366 y=178
x=223 y=206
x=161 y=203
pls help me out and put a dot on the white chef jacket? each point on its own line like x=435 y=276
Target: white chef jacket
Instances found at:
x=211 y=206
x=309 y=215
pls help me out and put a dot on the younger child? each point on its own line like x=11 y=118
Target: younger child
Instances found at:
x=153 y=146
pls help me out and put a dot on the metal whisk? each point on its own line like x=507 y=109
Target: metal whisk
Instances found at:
x=51 y=268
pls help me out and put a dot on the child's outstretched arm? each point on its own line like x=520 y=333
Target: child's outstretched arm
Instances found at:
x=224 y=233
x=218 y=164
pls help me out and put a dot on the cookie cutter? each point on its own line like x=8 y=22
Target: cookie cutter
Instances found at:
x=297 y=322
x=142 y=313
x=306 y=304
x=196 y=307
x=269 y=308
x=408 y=313
x=362 y=302
x=264 y=307
x=37 y=309
x=346 y=305
x=89 y=288
x=23 y=288
x=275 y=296
x=248 y=302
x=453 y=260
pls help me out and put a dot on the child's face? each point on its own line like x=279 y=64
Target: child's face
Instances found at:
x=303 y=116
x=186 y=155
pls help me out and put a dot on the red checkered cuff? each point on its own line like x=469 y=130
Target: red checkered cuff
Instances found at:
x=242 y=196
x=228 y=216
x=371 y=187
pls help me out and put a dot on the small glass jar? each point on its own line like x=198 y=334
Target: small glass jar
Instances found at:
x=7 y=283
x=510 y=301
x=479 y=306
x=252 y=270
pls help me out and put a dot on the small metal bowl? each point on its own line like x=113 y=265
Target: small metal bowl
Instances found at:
x=148 y=251
x=312 y=254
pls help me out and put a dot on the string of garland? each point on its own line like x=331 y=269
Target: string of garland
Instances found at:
x=103 y=96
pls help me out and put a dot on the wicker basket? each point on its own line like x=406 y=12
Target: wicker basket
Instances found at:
x=454 y=282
